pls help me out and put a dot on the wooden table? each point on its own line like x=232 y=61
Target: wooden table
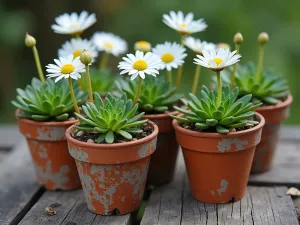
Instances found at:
x=23 y=201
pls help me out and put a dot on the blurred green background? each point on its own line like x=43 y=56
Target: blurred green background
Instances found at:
x=141 y=20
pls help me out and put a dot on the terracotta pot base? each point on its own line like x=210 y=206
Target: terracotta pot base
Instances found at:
x=218 y=166
x=163 y=160
x=54 y=167
x=113 y=176
x=265 y=151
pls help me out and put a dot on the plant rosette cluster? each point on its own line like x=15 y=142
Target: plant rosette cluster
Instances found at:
x=270 y=89
x=218 y=132
x=47 y=102
x=205 y=115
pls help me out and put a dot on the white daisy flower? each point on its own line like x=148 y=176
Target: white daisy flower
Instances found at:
x=140 y=64
x=196 y=45
x=171 y=54
x=65 y=68
x=73 y=23
x=185 y=25
x=76 y=46
x=217 y=60
x=109 y=43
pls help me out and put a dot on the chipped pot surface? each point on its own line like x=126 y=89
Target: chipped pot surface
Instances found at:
x=112 y=153
x=218 y=166
x=113 y=176
x=265 y=151
x=54 y=167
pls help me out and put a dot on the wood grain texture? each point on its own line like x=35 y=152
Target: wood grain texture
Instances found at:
x=286 y=167
x=18 y=187
x=70 y=209
x=9 y=136
x=174 y=205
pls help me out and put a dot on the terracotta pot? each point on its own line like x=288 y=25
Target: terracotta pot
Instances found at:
x=54 y=167
x=113 y=176
x=265 y=151
x=218 y=166
x=163 y=160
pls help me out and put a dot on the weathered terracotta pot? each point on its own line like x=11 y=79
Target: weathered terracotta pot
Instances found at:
x=54 y=167
x=218 y=166
x=265 y=151
x=113 y=176
x=163 y=160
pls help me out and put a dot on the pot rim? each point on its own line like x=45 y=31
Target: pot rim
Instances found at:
x=279 y=105
x=180 y=129
x=160 y=116
x=50 y=124
x=115 y=145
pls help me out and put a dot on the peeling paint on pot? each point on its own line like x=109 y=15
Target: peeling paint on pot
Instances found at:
x=227 y=143
x=54 y=167
x=51 y=133
x=118 y=187
x=218 y=166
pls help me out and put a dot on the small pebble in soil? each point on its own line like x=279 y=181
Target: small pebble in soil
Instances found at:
x=79 y=133
x=71 y=118
x=50 y=211
x=90 y=141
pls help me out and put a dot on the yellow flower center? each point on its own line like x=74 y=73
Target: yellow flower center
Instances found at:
x=143 y=43
x=75 y=25
x=218 y=61
x=183 y=25
x=167 y=58
x=140 y=65
x=76 y=53
x=108 y=45
x=67 y=69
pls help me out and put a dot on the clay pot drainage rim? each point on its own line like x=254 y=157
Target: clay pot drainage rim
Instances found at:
x=180 y=129
x=115 y=145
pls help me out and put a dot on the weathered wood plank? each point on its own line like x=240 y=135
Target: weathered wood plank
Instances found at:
x=70 y=209
x=9 y=136
x=174 y=205
x=18 y=187
x=286 y=167
x=290 y=133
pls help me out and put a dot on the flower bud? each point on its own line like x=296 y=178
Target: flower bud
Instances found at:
x=143 y=46
x=85 y=57
x=238 y=38
x=263 y=38
x=223 y=45
x=29 y=41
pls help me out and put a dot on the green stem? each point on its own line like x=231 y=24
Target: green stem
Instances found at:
x=38 y=64
x=88 y=77
x=170 y=78
x=80 y=81
x=260 y=62
x=138 y=91
x=237 y=48
x=180 y=69
x=182 y=40
x=219 y=100
x=103 y=62
x=73 y=96
x=196 y=79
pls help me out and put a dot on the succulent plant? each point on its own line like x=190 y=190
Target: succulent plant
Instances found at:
x=102 y=81
x=270 y=89
x=155 y=96
x=117 y=116
x=204 y=114
x=46 y=102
